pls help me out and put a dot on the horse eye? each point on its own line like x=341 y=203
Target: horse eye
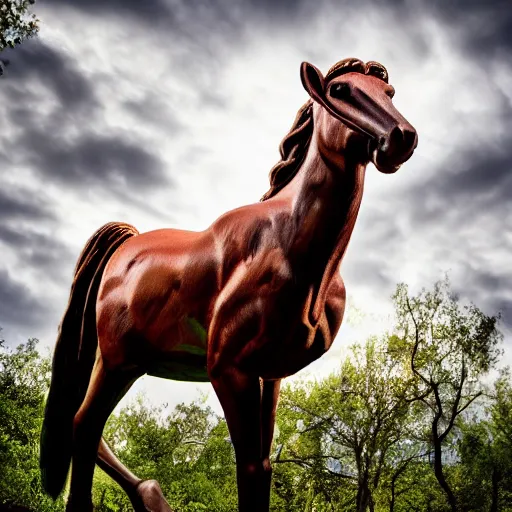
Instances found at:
x=340 y=91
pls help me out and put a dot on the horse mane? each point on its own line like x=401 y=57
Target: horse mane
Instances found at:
x=294 y=146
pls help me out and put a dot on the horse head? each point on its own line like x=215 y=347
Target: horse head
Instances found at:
x=358 y=95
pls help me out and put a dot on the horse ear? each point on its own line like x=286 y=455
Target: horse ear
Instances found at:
x=313 y=81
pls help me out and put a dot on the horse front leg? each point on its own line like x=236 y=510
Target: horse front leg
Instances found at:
x=145 y=495
x=241 y=396
x=269 y=399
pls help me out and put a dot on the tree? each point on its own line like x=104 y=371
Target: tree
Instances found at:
x=405 y=477
x=16 y=23
x=24 y=381
x=486 y=453
x=501 y=430
x=354 y=424
x=450 y=347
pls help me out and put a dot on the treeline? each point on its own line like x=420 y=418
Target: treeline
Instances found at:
x=406 y=424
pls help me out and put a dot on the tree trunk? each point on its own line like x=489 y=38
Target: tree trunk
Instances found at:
x=392 y=502
x=438 y=471
x=495 y=489
x=371 y=503
x=363 y=494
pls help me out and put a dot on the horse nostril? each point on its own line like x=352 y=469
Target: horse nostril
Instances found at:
x=399 y=140
x=410 y=138
x=393 y=140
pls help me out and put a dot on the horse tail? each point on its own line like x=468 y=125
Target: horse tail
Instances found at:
x=74 y=355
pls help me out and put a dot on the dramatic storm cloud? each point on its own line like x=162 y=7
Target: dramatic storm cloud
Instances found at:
x=168 y=113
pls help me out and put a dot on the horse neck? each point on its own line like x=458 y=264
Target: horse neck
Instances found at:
x=325 y=196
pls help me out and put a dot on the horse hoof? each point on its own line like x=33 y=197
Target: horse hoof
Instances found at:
x=78 y=506
x=151 y=497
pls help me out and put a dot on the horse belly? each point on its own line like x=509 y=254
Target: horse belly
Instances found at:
x=181 y=367
x=185 y=359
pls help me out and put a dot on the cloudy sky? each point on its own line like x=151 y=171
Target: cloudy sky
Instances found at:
x=167 y=113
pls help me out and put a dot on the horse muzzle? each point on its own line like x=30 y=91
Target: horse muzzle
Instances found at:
x=389 y=151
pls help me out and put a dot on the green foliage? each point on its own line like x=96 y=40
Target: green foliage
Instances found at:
x=485 y=451
x=16 y=23
x=24 y=380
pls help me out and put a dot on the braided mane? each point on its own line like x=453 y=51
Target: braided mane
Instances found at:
x=294 y=146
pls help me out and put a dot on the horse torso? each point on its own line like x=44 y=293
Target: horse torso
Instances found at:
x=164 y=293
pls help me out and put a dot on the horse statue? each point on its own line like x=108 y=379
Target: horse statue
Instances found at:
x=251 y=300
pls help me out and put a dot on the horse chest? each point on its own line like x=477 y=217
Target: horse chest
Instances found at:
x=287 y=341
x=278 y=359
x=308 y=343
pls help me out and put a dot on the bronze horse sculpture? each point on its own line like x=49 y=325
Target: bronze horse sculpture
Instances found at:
x=254 y=298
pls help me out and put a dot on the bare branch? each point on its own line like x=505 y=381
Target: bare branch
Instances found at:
x=455 y=407
x=470 y=401
x=416 y=345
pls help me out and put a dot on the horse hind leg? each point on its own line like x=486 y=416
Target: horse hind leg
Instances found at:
x=145 y=495
x=105 y=390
